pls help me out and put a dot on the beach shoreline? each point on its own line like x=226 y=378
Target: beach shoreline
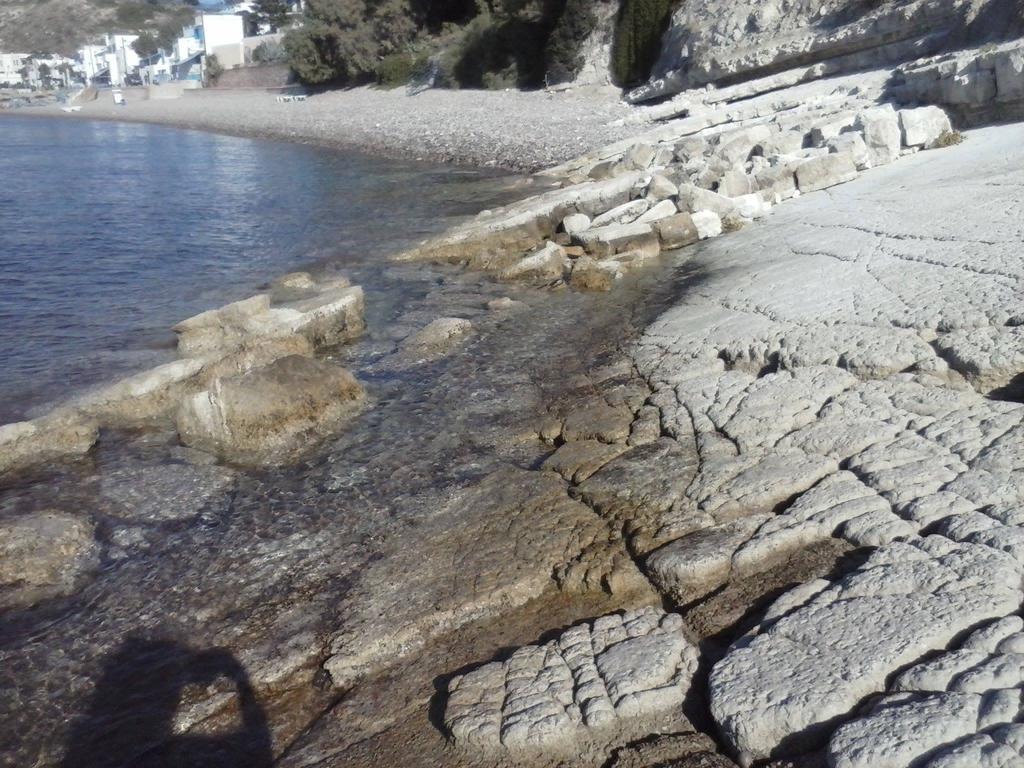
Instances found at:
x=461 y=128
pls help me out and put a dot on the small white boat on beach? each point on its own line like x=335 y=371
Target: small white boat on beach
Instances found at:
x=70 y=109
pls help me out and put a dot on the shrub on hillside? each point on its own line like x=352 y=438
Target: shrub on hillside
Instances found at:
x=563 y=57
x=638 y=34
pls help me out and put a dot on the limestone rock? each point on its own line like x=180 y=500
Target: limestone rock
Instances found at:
x=292 y=287
x=660 y=211
x=268 y=413
x=576 y=461
x=923 y=126
x=707 y=223
x=882 y=134
x=436 y=338
x=852 y=144
x=676 y=231
x=61 y=434
x=639 y=157
x=816 y=663
x=587 y=275
x=619 y=238
x=989 y=357
x=618 y=669
x=660 y=188
x=622 y=214
x=827 y=171
x=576 y=222
x=546 y=264
x=597 y=420
x=44 y=555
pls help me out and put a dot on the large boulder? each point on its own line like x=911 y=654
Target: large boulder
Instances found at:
x=923 y=126
x=882 y=134
x=44 y=555
x=268 y=413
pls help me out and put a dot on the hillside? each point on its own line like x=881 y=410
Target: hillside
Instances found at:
x=61 y=26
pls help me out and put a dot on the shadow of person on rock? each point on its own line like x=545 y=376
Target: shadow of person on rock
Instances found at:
x=130 y=719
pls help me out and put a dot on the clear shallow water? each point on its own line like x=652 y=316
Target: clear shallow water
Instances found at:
x=111 y=233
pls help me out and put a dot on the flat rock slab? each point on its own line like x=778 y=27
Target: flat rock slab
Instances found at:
x=782 y=689
x=619 y=668
x=961 y=708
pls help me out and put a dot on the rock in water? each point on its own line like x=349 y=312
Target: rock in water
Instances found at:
x=268 y=413
x=619 y=668
x=44 y=555
x=63 y=433
x=437 y=337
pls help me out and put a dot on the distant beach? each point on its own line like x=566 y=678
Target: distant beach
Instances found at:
x=520 y=131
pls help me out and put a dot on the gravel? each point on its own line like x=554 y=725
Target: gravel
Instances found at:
x=521 y=131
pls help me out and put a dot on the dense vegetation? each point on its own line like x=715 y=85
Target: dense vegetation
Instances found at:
x=488 y=43
x=638 y=32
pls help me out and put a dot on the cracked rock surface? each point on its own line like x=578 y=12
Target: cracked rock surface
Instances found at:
x=838 y=371
x=620 y=667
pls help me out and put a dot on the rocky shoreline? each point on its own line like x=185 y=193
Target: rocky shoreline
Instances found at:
x=748 y=495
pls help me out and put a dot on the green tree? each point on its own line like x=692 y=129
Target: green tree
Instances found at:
x=638 y=33
x=146 y=45
x=274 y=13
x=563 y=58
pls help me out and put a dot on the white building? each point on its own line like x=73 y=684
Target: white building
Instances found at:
x=111 y=62
x=11 y=65
x=222 y=36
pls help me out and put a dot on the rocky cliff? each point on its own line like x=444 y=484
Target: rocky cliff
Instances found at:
x=721 y=43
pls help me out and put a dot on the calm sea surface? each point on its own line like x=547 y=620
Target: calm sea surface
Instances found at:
x=111 y=233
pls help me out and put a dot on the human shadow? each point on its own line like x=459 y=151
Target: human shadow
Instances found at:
x=130 y=719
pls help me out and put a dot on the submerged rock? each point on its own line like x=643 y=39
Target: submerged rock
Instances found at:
x=270 y=412
x=44 y=555
x=438 y=337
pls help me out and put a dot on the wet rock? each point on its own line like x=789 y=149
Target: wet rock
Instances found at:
x=676 y=231
x=154 y=494
x=620 y=668
x=504 y=303
x=603 y=242
x=492 y=547
x=546 y=264
x=598 y=421
x=578 y=460
x=292 y=287
x=142 y=397
x=678 y=750
x=587 y=275
x=827 y=171
x=61 y=434
x=437 y=338
x=923 y=126
x=44 y=555
x=268 y=413
x=638 y=489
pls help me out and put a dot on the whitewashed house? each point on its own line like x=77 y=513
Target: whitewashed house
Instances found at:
x=11 y=65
